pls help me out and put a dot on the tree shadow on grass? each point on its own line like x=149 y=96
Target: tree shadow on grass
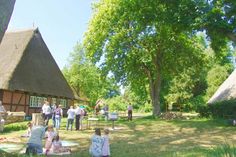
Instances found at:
x=172 y=138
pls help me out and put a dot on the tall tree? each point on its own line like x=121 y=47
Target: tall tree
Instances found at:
x=144 y=42
x=219 y=20
x=86 y=79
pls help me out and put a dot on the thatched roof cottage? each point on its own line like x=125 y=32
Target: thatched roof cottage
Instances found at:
x=6 y=9
x=29 y=74
x=226 y=91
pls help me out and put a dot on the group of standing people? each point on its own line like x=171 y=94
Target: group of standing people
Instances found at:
x=55 y=112
x=52 y=111
x=78 y=114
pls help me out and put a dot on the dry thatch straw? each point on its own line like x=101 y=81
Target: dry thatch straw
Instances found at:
x=226 y=91
x=26 y=64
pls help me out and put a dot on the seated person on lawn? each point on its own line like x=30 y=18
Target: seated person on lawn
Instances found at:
x=28 y=134
x=57 y=146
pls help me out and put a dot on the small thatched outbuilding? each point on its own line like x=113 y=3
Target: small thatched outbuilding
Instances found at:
x=29 y=74
x=226 y=91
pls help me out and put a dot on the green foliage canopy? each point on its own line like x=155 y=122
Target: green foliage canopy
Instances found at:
x=86 y=79
x=144 y=42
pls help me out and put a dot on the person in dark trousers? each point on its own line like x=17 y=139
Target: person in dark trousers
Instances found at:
x=106 y=111
x=130 y=112
x=77 y=117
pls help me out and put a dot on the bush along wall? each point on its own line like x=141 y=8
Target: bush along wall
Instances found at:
x=224 y=109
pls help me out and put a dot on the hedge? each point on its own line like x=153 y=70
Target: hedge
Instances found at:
x=218 y=110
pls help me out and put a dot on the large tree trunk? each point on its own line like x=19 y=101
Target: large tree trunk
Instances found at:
x=155 y=88
x=6 y=8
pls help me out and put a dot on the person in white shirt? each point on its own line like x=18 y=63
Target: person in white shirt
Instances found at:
x=70 y=118
x=77 y=118
x=44 y=109
x=130 y=110
x=48 y=113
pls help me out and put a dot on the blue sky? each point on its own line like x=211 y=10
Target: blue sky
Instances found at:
x=61 y=23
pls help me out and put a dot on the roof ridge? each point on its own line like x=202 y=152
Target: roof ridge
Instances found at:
x=21 y=30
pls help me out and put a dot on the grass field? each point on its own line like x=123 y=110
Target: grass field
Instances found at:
x=148 y=137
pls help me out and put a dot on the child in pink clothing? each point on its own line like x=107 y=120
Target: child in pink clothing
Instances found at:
x=50 y=134
x=57 y=146
x=106 y=145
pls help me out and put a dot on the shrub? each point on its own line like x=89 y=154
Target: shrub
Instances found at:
x=147 y=107
x=15 y=127
x=219 y=109
x=204 y=111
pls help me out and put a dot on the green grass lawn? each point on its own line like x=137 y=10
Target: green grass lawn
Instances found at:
x=147 y=137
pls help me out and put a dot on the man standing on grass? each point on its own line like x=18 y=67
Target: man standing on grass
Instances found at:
x=48 y=113
x=130 y=112
x=70 y=118
x=77 y=117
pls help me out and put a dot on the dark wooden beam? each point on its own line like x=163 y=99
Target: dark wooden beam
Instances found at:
x=11 y=100
x=1 y=95
x=25 y=102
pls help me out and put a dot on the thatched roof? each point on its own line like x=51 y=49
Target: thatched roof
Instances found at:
x=226 y=91
x=27 y=65
x=6 y=8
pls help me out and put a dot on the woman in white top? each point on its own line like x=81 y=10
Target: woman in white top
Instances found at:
x=70 y=118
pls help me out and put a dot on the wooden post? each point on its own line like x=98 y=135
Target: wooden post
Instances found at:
x=113 y=124
x=25 y=103
x=37 y=118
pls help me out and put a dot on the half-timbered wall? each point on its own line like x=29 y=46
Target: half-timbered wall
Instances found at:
x=18 y=101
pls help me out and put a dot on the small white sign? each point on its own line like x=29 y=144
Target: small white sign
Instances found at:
x=113 y=116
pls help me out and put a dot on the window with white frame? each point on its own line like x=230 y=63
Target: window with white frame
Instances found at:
x=54 y=100
x=63 y=102
x=37 y=101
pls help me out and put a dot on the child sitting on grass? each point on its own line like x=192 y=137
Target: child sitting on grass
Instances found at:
x=50 y=134
x=28 y=134
x=29 y=124
x=97 y=142
x=57 y=146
